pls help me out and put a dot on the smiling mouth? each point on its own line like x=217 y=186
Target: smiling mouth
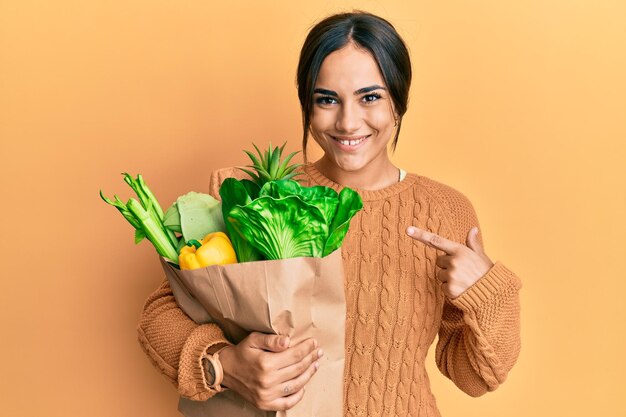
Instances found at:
x=350 y=141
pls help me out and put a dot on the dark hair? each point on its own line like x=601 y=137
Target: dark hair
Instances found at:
x=367 y=31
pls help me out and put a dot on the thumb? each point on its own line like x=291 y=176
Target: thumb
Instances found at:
x=269 y=342
x=472 y=240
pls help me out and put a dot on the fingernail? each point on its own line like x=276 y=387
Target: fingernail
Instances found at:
x=317 y=366
x=320 y=353
x=410 y=230
x=284 y=341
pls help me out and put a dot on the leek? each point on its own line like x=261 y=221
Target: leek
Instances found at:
x=149 y=203
x=146 y=216
x=153 y=231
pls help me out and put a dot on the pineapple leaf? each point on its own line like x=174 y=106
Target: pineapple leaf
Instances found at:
x=274 y=163
x=254 y=177
x=282 y=148
x=268 y=165
x=292 y=175
x=266 y=157
x=258 y=151
x=255 y=161
x=283 y=167
x=291 y=168
x=265 y=176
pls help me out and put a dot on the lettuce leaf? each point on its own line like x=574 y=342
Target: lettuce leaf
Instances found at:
x=238 y=193
x=348 y=205
x=285 y=219
x=324 y=198
x=281 y=228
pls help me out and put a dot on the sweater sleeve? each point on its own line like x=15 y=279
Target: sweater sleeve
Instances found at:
x=479 y=337
x=173 y=342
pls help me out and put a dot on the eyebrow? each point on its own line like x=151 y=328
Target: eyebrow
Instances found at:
x=356 y=93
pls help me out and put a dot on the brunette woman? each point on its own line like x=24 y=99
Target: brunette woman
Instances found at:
x=414 y=260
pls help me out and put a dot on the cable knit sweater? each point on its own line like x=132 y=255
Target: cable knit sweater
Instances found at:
x=395 y=307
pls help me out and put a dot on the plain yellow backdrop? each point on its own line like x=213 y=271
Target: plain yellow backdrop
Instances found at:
x=519 y=105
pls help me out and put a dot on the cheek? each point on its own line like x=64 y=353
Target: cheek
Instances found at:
x=316 y=128
x=380 y=119
x=320 y=121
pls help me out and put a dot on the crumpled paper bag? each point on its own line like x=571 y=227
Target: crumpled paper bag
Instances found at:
x=300 y=297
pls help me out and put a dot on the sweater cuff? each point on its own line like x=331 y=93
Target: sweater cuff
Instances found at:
x=192 y=382
x=497 y=281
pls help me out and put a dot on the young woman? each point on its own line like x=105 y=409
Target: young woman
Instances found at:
x=413 y=257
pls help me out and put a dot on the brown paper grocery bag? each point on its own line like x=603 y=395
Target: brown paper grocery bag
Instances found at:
x=299 y=297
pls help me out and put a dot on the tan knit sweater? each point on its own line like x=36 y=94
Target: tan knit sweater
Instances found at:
x=395 y=307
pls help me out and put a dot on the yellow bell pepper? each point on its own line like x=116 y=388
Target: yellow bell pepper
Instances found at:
x=215 y=249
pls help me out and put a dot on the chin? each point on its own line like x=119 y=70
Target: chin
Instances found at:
x=349 y=164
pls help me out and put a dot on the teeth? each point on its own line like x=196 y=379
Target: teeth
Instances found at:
x=350 y=142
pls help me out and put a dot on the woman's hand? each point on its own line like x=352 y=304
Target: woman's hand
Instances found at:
x=461 y=265
x=269 y=373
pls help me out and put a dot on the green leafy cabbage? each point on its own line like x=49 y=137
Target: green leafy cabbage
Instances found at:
x=284 y=219
x=195 y=215
x=238 y=193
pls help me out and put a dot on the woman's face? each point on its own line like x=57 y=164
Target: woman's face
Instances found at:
x=352 y=118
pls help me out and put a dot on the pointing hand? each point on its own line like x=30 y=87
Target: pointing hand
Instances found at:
x=461 y=265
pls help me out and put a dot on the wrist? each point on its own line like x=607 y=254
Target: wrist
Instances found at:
x=212 y=367
x=226 y=357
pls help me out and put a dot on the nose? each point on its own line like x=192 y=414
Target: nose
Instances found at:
x=349 y=118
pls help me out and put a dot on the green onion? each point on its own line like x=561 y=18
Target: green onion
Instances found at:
x=149 y=203
x=146 y=216
x=153 y=231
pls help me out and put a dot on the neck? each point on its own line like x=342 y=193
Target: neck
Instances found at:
x=374 y=176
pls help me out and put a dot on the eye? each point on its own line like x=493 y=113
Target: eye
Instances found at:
x=325 y=100
x=369 y=98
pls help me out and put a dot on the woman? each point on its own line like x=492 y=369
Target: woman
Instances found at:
x=413 y=257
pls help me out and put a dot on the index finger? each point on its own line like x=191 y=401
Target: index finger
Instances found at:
x=434 y=240
x=293 y=354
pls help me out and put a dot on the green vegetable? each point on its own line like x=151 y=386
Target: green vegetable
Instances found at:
x=349 y=204
x=281 y=228
x=338 y=210
x=268 y=166
x=149 y=202
x=288 y=220
x=239 y=193
x=195 y=215
x=274 y=217
x=324 y=198
x=153 y=230
x=146 y=216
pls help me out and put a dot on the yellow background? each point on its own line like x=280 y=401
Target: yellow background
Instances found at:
x=520 y=105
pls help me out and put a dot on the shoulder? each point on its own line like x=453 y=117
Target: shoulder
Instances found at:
x=446 y=195
x=456 y=205
x=219 y=175
x=222 y=173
